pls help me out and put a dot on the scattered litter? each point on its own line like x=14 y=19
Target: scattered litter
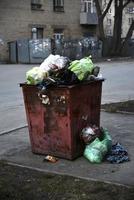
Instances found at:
x=51 y=159
x=118 y=154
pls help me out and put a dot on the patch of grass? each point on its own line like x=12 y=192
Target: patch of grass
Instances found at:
x=127 y=106
x=23 y=184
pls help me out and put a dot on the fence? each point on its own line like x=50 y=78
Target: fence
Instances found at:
x=127 y=51
x=35 y=51
x=76 y=49
x=29 y=51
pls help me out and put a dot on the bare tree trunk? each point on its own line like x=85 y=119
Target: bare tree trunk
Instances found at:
x=116 y=41
x=116 y=44
x=101 y=34
x=128 y=36
x=101 y=16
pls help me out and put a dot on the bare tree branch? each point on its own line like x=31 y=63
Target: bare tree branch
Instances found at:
x=128 y=36
x=117 y=45
x=130 y=31
x=126 y=3
x=107 y=8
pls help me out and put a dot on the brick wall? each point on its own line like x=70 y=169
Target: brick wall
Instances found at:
x=17 y=20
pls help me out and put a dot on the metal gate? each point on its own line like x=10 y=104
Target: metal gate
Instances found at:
x=39 y=50
x=23 y=51
x=13 y=52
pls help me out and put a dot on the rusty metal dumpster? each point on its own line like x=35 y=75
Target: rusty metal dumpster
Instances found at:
x=55 y=125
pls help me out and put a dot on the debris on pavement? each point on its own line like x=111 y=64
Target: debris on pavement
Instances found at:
x=96 y=150
x=89 y=133
x=51 y=159
x=99 y=146
x=118 y=154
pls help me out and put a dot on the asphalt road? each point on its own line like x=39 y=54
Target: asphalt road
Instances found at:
x=118 y=86
x=12 y=113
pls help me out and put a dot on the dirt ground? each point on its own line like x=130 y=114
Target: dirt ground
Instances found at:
x=18 y=183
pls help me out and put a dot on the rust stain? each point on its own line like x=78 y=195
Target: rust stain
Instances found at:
x=51 y=123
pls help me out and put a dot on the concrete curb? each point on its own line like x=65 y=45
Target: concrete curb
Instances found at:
x=120 y=112
x=12 y=130
x=65 y=174
x=108 y=59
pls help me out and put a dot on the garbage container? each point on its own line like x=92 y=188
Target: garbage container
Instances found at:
x=56 y=118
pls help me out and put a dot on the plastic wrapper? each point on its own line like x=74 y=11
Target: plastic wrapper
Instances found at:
x=51 y=159
x=36 y=75
x=96 y=151
x=61 y=62
x=48 y=63
x=82 y=68
x=89 y=133
x=54 y=63
x=118 y=154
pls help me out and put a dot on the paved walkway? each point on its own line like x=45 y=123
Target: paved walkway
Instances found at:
x=16 y=149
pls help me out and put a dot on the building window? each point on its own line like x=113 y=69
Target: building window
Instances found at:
x=130 y=19
x=109 y=32
x=109 y=21
x=37 y=33
x=36 y=5
x=130 y=10
x=58 y=5
x=58 y=34
x=88 y=6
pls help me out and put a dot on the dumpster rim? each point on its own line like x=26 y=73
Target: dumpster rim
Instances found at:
x=66 y=86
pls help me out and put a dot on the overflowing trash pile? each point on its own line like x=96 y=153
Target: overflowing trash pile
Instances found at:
x=59 y=70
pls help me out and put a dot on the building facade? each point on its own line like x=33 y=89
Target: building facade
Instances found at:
x=37 y=19
x=58 y=19
x=128 y=16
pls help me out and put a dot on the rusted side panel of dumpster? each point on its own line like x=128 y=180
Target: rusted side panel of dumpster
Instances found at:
x=55 y=127
x=49 y=125
x=85 y=102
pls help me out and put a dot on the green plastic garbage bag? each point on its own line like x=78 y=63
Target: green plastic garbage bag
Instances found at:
x=35 y=75
x=82 y=68
x=96 y=151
